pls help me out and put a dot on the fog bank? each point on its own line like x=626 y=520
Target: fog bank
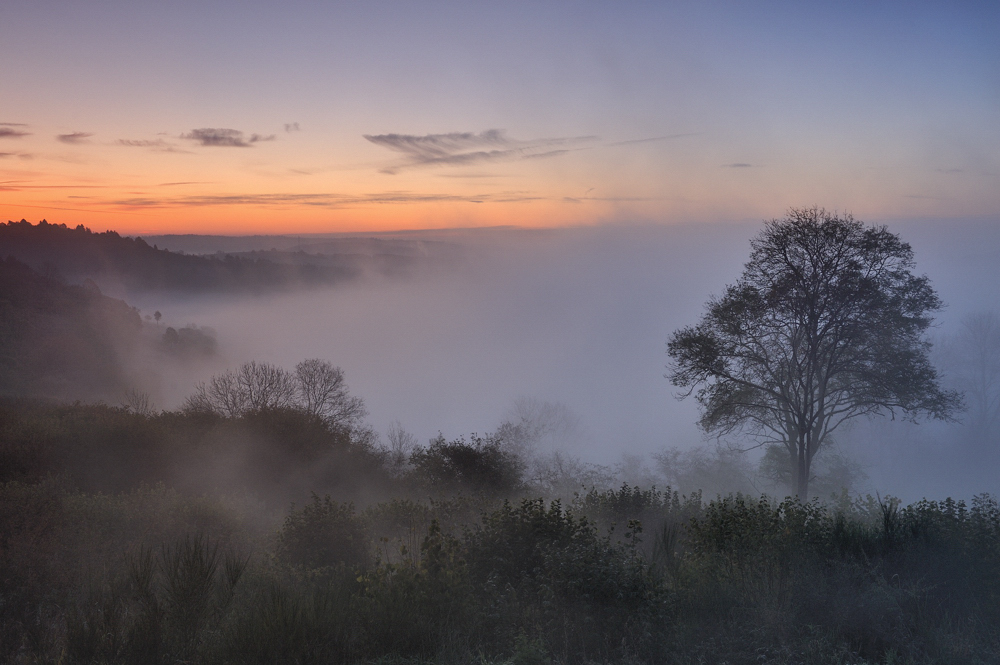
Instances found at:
x=576 y=316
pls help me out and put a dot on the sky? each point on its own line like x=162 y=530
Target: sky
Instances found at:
x=316 y=117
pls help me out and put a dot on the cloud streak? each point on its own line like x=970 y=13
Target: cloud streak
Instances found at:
x=224 y=138
x=157 y=145
x=17 y=186
x=8 y=131
x=319 y=199
x=467 y=148
x=74 y=138
x=654 y=139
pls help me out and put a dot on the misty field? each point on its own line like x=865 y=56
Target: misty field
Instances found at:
x=451 y=556
x=481 y=333
x=259 y=516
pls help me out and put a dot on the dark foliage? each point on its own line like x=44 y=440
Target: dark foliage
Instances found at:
x=481 y=464
x=150 y=577
x=62 y=341
x=278 y=454
x=324 y=533
x=98 y=566
x=189 y=341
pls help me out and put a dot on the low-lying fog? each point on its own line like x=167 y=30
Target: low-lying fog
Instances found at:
x=578 y=317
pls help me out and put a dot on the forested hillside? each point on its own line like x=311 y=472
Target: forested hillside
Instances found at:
x=135 y=266
x=59 y=340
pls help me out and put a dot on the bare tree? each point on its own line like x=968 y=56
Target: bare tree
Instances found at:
x=401 y=446
x=562 y=475
x=253 y=386
x=138 y=402
x=321 y=390
x=316 y=387
x=531 y=420
x=710 y=470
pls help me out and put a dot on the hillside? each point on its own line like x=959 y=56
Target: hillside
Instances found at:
x=131 y=265
x=59 y=340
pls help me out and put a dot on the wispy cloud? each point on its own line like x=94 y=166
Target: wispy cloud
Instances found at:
x=74 y=137
x=158 y=145
x=738 y=165
x=653 y=139
x=612 y=199
x=8 y=130
x=547 y=154
x=142 y=143
x=225 y=138
x=466 y=148
x=17 y=186
x=473 y=175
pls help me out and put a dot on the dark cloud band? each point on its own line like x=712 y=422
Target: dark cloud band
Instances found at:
x=225 y=138
x=320 y=200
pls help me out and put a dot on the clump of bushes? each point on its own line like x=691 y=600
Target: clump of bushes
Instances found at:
x=481 y=464
x=324 y=533
x=125 y=572
x=736 y=580
x=278 y=454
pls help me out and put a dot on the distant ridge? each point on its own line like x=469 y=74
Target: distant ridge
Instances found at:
x=133 y=265
x=331 y=244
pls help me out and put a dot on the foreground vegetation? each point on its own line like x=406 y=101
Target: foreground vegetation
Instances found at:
x=111 y=551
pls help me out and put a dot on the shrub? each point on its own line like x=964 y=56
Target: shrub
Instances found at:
x=481 y=464
x=324 y=533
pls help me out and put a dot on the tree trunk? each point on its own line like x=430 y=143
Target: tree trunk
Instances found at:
x=802 y=475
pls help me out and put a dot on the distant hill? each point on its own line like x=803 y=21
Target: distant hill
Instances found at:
x=373 y=244
x=63 y=341
x=132 y=264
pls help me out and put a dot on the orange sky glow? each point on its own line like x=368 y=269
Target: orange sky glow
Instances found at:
x=146 y=118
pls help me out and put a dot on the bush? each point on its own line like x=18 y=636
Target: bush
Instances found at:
x=322 y=534
x=481 y=465
x=544 y=573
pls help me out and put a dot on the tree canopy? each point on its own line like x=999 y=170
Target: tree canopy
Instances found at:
x=825 y=324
